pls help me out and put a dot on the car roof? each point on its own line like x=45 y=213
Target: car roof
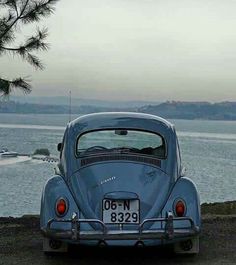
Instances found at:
x=117 y=115
x=103 y=120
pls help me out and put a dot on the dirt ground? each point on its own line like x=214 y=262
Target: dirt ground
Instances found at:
x=21 y=243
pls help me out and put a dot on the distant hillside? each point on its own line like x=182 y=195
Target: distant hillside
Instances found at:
x=170 y=110
x=63 y=101
x=16 y=107
x=193 y=110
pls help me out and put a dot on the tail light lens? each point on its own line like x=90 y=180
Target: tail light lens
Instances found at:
x=61 y=207
x=180 y=208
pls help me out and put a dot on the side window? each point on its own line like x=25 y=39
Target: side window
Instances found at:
x=63 y=143
x=178 y=158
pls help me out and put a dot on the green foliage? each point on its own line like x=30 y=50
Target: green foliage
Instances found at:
x=16 y=14
x=42 y=151
x=6 y=86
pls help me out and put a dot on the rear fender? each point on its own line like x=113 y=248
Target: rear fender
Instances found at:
x=184 y=189
x=54 y=189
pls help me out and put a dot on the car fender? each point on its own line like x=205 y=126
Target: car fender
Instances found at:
x=185 y=189
x=54 y=189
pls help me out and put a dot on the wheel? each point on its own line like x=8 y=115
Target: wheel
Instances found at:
x=51 y=246
x=189 y=246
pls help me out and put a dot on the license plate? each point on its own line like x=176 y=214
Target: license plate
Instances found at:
x=120 y=211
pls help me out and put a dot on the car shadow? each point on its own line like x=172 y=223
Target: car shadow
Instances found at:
x=123 y=255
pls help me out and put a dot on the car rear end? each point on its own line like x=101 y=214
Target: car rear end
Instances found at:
x=125 y=190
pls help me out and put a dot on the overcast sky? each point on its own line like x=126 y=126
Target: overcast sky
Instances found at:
x=137 y=50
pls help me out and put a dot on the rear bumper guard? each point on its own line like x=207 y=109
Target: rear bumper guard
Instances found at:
x=76 y=234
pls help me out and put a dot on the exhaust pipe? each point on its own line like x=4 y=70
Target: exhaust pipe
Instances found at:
x=139 y=244
x=102 y=243
x=186 y=245
x=55 y=244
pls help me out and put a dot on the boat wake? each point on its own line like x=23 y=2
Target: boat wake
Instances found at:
x=8 y=161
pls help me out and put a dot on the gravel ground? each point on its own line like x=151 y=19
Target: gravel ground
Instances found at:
x=21 y=243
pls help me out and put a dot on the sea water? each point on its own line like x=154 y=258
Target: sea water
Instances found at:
x=208 y=151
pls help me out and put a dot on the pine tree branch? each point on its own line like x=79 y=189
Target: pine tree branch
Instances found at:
x=9 y=49
x=37 y=10
x=10 y=3
x=24 y=11
x=34 y=60
x=33 y=43
x=15 y=7
x=15 y=21
x=4 y=26
x=6 y=86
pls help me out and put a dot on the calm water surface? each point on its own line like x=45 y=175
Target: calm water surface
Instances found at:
x=208 y=152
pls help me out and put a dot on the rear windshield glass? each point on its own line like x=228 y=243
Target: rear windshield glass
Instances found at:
x=121 y=141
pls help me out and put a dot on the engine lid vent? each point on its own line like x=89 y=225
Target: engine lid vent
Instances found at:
x=103 y=158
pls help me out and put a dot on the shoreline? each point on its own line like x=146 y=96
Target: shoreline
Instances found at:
x=219 y=208
x=77 y=115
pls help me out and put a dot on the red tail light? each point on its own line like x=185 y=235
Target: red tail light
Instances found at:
x=61 y=207
x=180 y=208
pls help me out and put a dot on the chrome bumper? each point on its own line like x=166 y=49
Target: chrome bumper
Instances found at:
x=75 y=234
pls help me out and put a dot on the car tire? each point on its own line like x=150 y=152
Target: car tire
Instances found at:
x=51 y=246
x=189 y=246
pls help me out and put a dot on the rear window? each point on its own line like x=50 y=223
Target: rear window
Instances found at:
x=121 y=141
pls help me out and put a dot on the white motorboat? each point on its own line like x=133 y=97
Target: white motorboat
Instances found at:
x=9 y=154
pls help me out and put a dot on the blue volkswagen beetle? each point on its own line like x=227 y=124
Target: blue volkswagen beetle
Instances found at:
x=120 y=182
